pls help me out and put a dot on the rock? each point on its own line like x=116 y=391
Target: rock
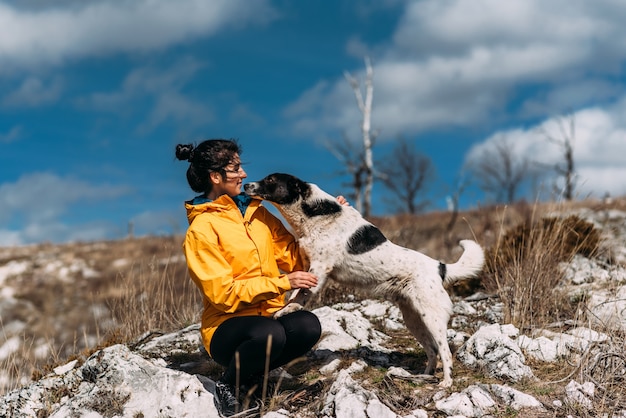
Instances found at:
x=583 y=270
x=347 y=399
x=474 y=401
x=400 y=373
x=608 y=309
x=387 y=311
x=113 y=382
x=417 y=413
x=281 y=413
x=456 y=339
x=580 y=395
x=589 y=334
x=566 y=343
x=463 y=308
x=331 y=367
x=514 y=398
x=479 y=400
x=345 y=330
x=491 y=349
x=541 y=348
x=478 y=296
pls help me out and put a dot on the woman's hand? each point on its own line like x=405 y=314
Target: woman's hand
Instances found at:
x=342 y=201
x=302 y=280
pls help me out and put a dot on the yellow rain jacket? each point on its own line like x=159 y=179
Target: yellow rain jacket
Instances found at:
x=238 y=262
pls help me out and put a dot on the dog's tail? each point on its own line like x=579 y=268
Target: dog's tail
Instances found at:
x=469 y=265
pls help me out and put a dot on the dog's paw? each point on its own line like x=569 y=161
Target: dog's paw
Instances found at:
x=445 y=383
x=289 y=308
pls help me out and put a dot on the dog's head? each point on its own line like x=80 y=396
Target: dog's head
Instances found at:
x=286 y=190
x=279 y=188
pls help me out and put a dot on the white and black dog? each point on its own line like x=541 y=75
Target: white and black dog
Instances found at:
x=342 y=246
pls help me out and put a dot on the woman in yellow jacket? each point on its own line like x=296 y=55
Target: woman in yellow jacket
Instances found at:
x=243 y=260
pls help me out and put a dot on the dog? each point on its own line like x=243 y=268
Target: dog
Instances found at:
x=342 y=246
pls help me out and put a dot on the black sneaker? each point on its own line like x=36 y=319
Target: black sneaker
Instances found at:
x=225 y=400
x=254 y=388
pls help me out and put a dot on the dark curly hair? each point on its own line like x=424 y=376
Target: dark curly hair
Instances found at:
x=210 y=155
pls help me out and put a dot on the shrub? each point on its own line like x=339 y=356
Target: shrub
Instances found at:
x=523 y=267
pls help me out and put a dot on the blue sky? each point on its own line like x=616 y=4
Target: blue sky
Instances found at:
x=95 y=94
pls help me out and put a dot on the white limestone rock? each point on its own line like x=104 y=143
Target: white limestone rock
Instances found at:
x=491 y=349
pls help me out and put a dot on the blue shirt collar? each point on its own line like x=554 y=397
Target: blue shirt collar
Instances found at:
x=241 y=200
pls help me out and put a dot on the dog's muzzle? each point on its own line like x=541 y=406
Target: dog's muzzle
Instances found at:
x=251 y=188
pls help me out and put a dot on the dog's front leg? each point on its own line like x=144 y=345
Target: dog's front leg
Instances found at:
x=295 y=303
x=299 y=297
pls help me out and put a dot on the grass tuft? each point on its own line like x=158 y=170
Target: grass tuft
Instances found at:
x=524 y=268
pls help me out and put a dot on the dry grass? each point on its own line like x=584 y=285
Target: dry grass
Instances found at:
x=523 y=268
x=151 y=298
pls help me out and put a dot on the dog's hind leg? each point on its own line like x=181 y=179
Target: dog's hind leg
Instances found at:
x=429 y=328
x=416 y=326
x=446 y=358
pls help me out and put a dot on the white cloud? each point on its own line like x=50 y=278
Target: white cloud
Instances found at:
x=26 y=195
x=178 y=108
x=158 y=222
x=34 y=92
x=163 y=87
x=599 y=146
x=49 y=35
x=459 y=62
x=36 y=202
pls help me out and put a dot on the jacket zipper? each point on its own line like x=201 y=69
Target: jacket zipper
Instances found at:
x=246 y=224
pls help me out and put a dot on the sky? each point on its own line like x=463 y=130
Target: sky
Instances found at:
x=95 y=95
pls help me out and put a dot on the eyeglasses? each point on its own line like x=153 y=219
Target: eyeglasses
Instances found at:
x=237 y=169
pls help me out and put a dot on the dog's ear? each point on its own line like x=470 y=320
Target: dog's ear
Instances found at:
x=304 y=189
x=298 y=187
x=320 y=208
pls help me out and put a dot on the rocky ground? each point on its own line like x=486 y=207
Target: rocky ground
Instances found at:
x=368 y=365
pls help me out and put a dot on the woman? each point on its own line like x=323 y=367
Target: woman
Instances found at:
x=237 y=253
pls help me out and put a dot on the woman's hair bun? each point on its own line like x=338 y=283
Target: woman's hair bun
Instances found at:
x=185 y=152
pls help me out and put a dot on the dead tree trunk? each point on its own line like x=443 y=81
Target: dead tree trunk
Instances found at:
x=365 y=106
x=566 y=142
x=351 y=156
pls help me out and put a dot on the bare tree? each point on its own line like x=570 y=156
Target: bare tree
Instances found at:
x=565 y=140
x=406 y=172
x=351 y=155
x=453 y=205
x=499 y=172
x=365 y=106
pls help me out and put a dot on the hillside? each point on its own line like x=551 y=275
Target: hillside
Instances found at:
x=62 y=303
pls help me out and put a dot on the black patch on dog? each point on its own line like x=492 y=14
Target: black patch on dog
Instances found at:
x=320 y=208
x=442 y=271
x=365 y=239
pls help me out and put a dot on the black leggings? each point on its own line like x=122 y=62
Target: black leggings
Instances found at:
x=292 y=336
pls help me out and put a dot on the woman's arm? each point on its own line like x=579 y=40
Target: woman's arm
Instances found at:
x=212 y=273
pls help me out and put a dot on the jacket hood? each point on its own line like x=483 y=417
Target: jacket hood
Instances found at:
x=224 y=203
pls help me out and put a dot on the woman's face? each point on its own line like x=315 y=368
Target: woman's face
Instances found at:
x=233 y=180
